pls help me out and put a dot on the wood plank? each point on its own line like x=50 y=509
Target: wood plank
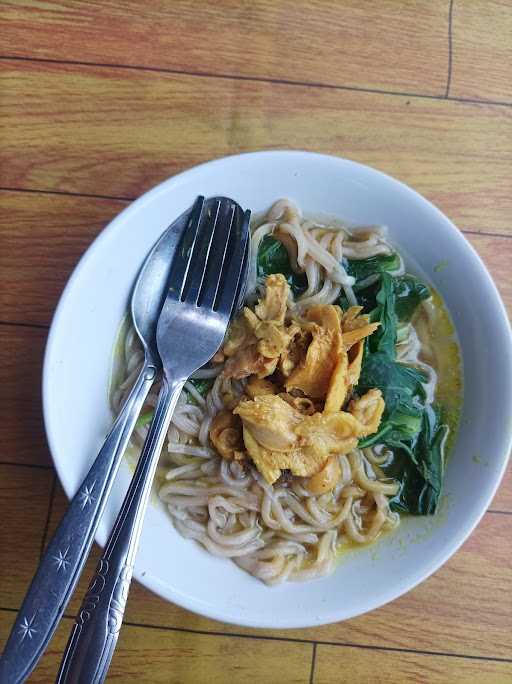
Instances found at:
x=436 y=616
x=21 y=361
x=320 y=41
x=481 y=50
x=503 y=498
x=333 y=663
x=464 y=608
x=43 y=236
x=496 y=253
x=24 y=502
x=149 y=656
x=29 y=295
x=72 y=128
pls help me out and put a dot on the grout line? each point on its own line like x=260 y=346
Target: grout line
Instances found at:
x=449 y=77
x=16 y=324
x=67 y=193
x=35 y=191
x=484 y=232
x=40 y=466
x=48 y=516
x=322 y=642
x=313 y=663
x=257 y=79
x=297 y=640
x=474 y=100
x=235 y=77
x=498 y=512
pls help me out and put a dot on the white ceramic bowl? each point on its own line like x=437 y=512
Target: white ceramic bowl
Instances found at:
x=78 y=363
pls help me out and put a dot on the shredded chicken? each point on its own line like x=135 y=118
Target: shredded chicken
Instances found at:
x=313 y=374
x=326 y=478
x=259 y=386
x=273 y=307
x=356 y=327
x=338 y=384
x=334 y=432
x=300 y=461
x=277 y=436
x=247 y=362
x=239 y=337
x=355 y=360
x=259 y=337
x=368 y=411
x=303 y=404
x=296 y=351
x=301 y=371
x=271 y=421
x=226 y=435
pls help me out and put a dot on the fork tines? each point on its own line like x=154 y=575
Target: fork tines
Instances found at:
x=208 y=262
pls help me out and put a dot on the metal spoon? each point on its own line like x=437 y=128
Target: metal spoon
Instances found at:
x=203 y=289
x=65 y=555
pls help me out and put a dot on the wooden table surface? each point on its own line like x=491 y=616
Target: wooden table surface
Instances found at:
x=102 y=99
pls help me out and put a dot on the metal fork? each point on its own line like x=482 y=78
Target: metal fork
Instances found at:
x=203 y=283
x=67 y=551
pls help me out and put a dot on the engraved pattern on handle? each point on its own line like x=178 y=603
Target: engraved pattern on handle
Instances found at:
x=66 y=552
x=118 y=603
x=92 y=597
x=94 y=636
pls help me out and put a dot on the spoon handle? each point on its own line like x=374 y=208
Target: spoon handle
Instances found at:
x=94 y=636
x=65 y=554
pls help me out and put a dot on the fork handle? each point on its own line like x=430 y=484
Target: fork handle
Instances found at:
x=94 y=636
x=65 y=555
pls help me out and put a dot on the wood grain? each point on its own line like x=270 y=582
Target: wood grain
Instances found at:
x=335 y=664
x=24 y=500
x=118 y=132
x=153 y=656
x=323 y=41
x=503 y=497
x=42 y=238
x=21 y=361
x=482 y=50
x=496 y=253
x=473 y=582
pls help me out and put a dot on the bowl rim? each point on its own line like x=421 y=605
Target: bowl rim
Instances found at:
x=116 y=224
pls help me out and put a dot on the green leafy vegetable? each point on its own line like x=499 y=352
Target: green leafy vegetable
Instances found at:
x=384 y=338
x=420 y=469
x=403 y=393
x=428 y=454
x=409 y=427
x=144 y=418
x=362 y=268
x=367 y=298
x=202 y=386
x=409 y=293
x=408 y=290
x=415 y=495
x=273 y=258
x=399 y=381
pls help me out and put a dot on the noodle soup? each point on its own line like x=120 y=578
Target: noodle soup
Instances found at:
x=326 y=416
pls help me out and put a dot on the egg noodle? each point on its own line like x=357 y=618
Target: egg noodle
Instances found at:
x=280 y=531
